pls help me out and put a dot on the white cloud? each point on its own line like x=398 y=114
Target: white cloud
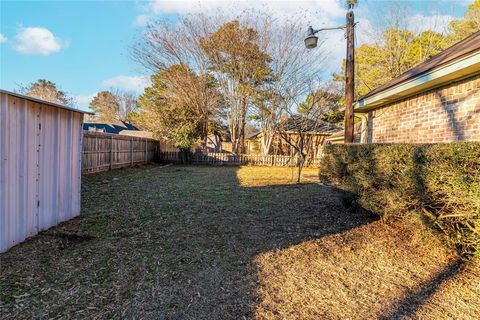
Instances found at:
x=129 y=83
x=364 y=32
x=318 y=13
x=83 y=101
x=2 y=38
x=38 y=40
x=438 y=23
x=141 y=20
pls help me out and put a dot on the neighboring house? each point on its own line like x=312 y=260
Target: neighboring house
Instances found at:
x=316 y=133
x=437 y=101
x=137 y=133
x=214 y=143
x=339 y=136
x=120 y=127
x=114 y=128
x=253 y=143
x=219 y=141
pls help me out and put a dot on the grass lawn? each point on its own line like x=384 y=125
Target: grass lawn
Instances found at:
x=184 y=242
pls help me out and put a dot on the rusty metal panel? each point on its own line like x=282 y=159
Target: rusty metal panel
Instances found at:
x=40 y=167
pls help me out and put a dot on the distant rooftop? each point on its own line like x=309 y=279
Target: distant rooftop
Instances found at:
x=114 y=128
x=296 y=122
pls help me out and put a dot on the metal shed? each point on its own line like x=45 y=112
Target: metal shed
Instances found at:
x=40 y=166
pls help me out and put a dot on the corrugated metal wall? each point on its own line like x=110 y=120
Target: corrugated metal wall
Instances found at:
x=40 y=167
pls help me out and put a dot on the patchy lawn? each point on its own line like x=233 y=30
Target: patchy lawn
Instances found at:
x=231 y=243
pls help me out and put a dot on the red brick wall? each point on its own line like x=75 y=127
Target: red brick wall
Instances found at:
x=446 y=114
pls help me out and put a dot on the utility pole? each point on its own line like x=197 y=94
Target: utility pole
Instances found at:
x=311 y=42
x=349 y=77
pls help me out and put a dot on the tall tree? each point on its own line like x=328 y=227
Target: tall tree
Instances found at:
x=292 y=68
x=46 y=90
x=240 y=66
x=179 y=106
x=127 y=102
x=462 y=28
x=393 y=51
x=174 y=54
x=395 y=46
x=299 y=131
x=106 y=107
x=114 y=105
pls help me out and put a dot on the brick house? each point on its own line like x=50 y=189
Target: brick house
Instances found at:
x=437 y=101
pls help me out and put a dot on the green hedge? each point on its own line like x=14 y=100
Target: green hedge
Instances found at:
x=441 y=181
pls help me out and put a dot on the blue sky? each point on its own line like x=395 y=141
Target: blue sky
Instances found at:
x=84 y=46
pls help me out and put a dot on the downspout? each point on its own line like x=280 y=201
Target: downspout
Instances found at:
x=363 y=126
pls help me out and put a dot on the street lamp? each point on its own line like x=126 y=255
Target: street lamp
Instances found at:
x=311 y=42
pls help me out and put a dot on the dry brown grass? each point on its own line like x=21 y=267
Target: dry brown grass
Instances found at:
x=231 y=243
x=372 y=272
x=271 y=176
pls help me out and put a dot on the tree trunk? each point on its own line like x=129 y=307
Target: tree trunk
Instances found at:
x=301 y=157
x=300 y=166
x=234 y=138
x=241 y=144
x=266 y=142
x=241 y=136
x=205 y=138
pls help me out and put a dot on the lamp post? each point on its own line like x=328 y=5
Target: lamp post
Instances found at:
x=311 y=42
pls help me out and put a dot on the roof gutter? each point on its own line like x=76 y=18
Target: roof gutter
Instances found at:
x=465 y=67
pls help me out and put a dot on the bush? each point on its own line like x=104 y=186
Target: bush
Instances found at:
x=440 y=181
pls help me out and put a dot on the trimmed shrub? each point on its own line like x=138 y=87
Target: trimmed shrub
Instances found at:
x=440 y=181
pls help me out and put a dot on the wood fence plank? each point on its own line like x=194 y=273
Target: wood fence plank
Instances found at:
x=103 y=151
x=242 y=159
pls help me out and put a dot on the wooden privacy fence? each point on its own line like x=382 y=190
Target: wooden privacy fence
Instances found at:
x=241 y=159
x=105 y=151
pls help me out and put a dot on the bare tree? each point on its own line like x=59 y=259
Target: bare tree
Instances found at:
x=164 y=46
x=275 y=51
x=114 y=105
x=292 y=69
x=127 y=105
x=304 y=130
x=240 y=66
x=406 y=42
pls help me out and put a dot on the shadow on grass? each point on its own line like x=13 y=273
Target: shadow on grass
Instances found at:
x=413 y=301
x=173 y=243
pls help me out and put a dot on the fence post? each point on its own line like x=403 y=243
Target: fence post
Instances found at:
x=146 y=151
x=111 y=153
x=131 y=151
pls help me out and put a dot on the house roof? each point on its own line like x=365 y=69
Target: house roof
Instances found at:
x=253 y=135
x=115 y=128
x=48 y=103
x=299 y=122
x=458 y=51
